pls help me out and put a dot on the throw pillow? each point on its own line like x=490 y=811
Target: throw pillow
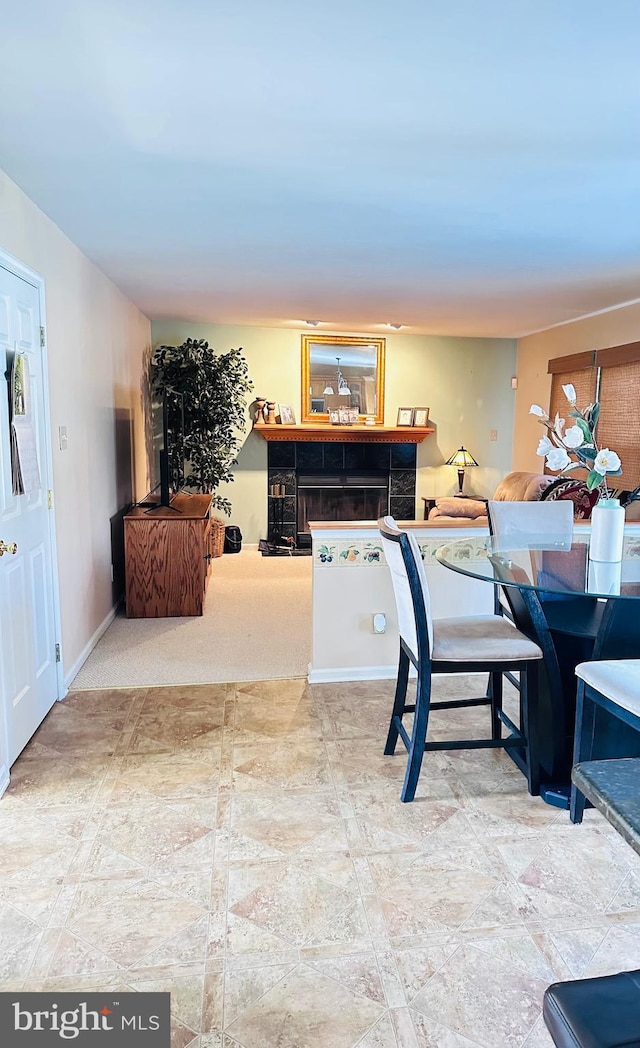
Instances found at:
x=450 y=506
x=575 y=490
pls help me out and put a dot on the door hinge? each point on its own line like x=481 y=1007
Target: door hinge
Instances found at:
x=57 y=653
x=41 y=337
x=49 y=499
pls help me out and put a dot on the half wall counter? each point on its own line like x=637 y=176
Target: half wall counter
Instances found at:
x=351 y=584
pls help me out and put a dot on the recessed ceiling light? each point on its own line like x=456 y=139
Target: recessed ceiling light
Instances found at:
x=394 y=326
x=312 y=323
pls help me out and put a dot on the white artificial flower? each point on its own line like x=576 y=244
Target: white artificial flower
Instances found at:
x=558 y=459
x=544 y=447
x=606 y=462
x=558 y=425
x=573 y=437
x=535 y=409
x=570 y=392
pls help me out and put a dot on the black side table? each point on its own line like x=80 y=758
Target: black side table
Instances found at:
x=429 y=503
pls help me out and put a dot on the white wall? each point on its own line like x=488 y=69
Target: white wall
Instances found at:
x=347 y=594
x=466 y=383
x=96 y=340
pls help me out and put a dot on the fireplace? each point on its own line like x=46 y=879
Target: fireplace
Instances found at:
x=352 y=496
x=337 y=481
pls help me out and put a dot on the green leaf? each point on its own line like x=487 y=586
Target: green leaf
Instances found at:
x=585 y=453
x=581 y=424
x=594 y=479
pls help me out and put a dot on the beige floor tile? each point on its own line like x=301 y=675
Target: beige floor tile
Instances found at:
x=289 y=765
x=128 y=919
x=306 y=1009
x=245 y=846
x=292 y=904
x=482 y=998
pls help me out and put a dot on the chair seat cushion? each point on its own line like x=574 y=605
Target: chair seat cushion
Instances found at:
x=595 y=1013
x=480 y=638
x=618 y=680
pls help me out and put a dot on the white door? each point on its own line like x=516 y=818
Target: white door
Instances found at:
x=28 y=675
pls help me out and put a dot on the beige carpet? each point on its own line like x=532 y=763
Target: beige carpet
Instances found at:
x=256 y=626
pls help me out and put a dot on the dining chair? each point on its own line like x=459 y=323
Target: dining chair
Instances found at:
x=548 y=523
x=535 y=524
x=478 y=644
x=612 y=685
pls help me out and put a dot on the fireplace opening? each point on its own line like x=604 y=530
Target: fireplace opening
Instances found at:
x=356 y=496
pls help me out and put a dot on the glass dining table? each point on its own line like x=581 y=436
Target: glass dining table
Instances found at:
x=576 y=609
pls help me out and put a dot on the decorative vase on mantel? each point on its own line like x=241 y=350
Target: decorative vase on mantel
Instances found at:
x=607 y=530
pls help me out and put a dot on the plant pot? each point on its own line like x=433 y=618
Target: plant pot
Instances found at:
x=607 y=530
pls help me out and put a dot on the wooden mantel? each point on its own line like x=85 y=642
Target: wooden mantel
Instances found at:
x=346 y=434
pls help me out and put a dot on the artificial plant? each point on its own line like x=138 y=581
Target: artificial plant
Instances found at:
x=214 y=387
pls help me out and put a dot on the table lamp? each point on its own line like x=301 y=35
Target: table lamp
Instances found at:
x=461 y=458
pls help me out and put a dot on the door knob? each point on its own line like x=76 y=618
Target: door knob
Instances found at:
x=8 y=547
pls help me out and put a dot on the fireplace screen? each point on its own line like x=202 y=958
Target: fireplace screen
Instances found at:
x=323 y=497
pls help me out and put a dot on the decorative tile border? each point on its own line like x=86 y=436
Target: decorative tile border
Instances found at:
x=373 y=553
x=326 y=553
x=366 y=553
x=472 y=549
x=632 y=547
x=351 y=553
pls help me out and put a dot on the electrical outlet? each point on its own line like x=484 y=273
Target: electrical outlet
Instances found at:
x=493 y=434
x=379 y=623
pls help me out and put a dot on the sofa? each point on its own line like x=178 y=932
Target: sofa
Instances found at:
x=518 y=486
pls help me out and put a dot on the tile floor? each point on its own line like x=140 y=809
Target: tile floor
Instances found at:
x=244 y=846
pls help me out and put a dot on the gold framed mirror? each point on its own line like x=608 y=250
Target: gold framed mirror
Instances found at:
x=342 y=371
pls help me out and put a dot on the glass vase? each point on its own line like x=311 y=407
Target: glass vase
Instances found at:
x=607 y=530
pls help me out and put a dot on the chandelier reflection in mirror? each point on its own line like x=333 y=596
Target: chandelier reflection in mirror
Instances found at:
x=341 y=385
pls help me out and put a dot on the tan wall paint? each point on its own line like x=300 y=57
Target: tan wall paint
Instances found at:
x=614 y=328
x=96 y=339
x=465 y=382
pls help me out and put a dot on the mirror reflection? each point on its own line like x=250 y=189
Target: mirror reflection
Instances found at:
x=342 y=371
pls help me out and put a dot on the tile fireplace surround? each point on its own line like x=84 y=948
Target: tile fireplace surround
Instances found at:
x=288 y=460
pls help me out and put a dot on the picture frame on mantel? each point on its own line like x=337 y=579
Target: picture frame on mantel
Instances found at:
x=405 y=417
x=421 y=416
x=287 y=415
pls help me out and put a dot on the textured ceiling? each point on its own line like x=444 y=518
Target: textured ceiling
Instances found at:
x=457 y=167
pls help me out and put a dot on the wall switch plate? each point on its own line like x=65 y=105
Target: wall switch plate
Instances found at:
x=62 y=438
x=379 y=623
x=514 y=382
x=493 y=434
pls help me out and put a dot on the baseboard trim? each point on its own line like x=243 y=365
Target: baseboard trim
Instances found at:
x=349 y=673
x=355 y=673
x=88 y=648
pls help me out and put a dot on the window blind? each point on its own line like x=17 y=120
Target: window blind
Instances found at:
x=582 y=374
x=612 y=376
x=619 y=422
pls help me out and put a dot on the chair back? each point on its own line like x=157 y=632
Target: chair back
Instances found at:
x=540 y=525
x=410 y=588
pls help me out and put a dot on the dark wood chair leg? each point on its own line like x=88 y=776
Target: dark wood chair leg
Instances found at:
x=583 y=746
x=418 y=737
x=529 y=722
x=495 y=694
x=398 y=702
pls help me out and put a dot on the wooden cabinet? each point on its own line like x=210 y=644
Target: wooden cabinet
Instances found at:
x=167 y=558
